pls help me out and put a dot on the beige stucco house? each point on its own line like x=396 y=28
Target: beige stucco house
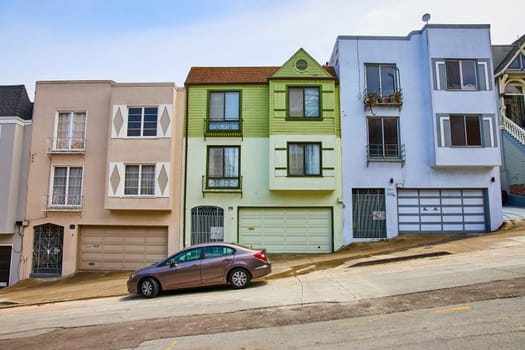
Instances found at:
x=104 y=176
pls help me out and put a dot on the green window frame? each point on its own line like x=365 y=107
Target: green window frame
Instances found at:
x=304 y=158
x=304 y=102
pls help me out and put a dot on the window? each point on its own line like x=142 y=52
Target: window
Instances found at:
x=465 y=130
x=223 y=167
x=185 y=256
x=383 y=138
x=217 y=251
x=71 y=131
x=224 y=112
x=142 y=121
x=381 y=79
x=67 y=186
x=303 y=102
x=518 y=63
x=139 y=180
x=304 y=159
x=462 y=74
x=458 y=130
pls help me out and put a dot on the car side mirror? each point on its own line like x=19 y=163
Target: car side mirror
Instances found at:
x=173 y=264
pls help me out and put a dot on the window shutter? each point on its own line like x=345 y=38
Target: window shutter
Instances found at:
x=441 y=75
x=488 y=131
x=444 y=130
x=164 y=120
x=483 y=76
x=116 y=179
x=162 y=179
x=119 y=121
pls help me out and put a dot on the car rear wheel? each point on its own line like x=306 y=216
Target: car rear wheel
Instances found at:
x=149 y=287
x=239 y=278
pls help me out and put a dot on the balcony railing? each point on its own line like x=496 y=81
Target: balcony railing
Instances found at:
x=224 y=127
x=219 y=185
x=385 y=153
x=61 y=202
x=68 y=145
x=382 y=99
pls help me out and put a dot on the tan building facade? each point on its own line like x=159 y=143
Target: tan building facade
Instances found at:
x=104 y=176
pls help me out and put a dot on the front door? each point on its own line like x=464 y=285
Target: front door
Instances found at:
x=47 y=250
x=368 y=213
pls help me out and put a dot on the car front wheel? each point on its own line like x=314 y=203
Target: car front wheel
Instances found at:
x=149 y=287
x=239 y=278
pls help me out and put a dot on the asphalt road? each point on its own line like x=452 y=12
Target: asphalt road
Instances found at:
x=492 y=324
x=340 y=293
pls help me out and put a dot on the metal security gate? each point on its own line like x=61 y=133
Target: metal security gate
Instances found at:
x=368 y=213
x=47 y=250
x=441 y=210
x=207 y=225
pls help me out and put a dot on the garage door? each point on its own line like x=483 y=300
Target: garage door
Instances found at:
x=441 y=210
x=121 y=248
x=287 y=230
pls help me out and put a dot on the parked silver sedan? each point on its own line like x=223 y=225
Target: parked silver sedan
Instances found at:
x=201 y=265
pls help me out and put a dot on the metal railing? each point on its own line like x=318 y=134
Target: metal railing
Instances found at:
x=210 y=184
x=385 y=153
x=67 y=145
x=514 y=130
x=225 y=127
x=61 y=202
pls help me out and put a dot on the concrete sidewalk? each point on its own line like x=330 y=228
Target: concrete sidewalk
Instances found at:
x=89 y=285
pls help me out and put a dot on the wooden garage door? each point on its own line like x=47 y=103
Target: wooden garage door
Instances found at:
x=121 y=248
x=441 y=210
x=286 y=230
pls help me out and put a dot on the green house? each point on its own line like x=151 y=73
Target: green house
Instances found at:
x=263 y=156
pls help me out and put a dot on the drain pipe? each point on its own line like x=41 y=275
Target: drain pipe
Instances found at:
x=184 y=191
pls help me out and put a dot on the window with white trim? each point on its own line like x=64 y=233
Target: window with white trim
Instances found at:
x=139 y=180
x=462 y=74
x=70 y=131
x=466 y=130
x=142 y=121
x=66 y=187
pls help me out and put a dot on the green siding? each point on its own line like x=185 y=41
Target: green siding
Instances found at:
x=288 y=70
x=254 y=108
x=328 y=124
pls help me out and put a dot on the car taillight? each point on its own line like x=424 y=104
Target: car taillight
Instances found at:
x=261 y=256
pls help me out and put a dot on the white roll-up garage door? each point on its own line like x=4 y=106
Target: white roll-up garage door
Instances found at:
x=121 y=248
x=441 y=210
x=287 y=230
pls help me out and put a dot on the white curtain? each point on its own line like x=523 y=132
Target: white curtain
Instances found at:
x=295 y=159
x=74 y=189
x=147 y=181
x=312 y=159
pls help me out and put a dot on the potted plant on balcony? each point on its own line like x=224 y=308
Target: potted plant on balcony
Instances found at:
x=398 y=97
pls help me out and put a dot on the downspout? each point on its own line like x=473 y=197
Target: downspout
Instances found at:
x=184 y=191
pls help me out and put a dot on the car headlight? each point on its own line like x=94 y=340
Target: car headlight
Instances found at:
x=133 y=276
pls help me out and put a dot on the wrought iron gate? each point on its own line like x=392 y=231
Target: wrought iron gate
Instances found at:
x=47 y=250
x=207 y=225
x=368 y=213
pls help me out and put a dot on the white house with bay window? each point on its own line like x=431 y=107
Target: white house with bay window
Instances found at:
x=419 y=123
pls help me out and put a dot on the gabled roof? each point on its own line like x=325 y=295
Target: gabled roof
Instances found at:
x=503 y=55
x=14 y=102
x=229 y=75
x=236 y=75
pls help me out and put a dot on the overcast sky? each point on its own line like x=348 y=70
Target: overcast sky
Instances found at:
x=159 y=40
